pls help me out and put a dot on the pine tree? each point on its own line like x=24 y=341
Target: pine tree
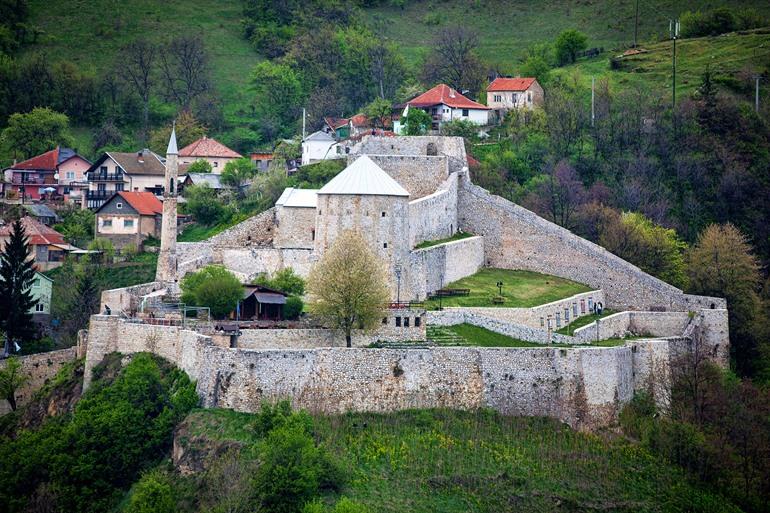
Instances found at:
x=16 y=277
x=85 y=303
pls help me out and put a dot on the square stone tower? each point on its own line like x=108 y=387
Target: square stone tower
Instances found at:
x=167 y=262
x=363 y=197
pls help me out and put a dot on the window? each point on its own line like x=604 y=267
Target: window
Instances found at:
x=398 y=322
x=119 y=187
x=118 y=205
x=107 y=223
x=216 y=164
x=515 y=97
x=70 y=175
x=36 y=283
x=529 y=96
x=574 y=309
x=465 y=113
x=40 y=307
x=558 y=320
x=406 y=322
x=566 y=315
x=384 y=320
x=128 y=223
x=383 y=214
x=542 y=322
x=312 y=234
x=385 y=245
x=417 y=322
x=498 y=98
x=103 y=170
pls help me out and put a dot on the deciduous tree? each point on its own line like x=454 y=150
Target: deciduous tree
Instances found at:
x=214 y=287
x=454 y=60
x=138 y=64
x=348 y=287
x=36 y=132
x=11 y=379
x=568 y=44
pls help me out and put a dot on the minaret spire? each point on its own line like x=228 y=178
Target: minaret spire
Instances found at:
x=167 y=263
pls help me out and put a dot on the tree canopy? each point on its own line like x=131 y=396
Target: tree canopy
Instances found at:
x=348 y=287
x=214 y=287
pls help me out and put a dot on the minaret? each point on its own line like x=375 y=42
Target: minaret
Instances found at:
x=166 y=271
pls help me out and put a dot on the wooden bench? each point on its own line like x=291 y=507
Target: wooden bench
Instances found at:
x=451 y=292
x=498 y=300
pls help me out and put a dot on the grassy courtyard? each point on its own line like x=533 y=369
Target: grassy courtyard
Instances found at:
x=585 y=320
x=476 y=336
x=521 y=289
x=431 y=243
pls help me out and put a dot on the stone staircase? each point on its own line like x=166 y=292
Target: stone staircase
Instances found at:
x=443 y=336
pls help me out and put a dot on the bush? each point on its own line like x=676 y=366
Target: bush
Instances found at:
x=214 y=287
x=200 y=166
x=719 y=21
x=567 y=46
x=293 y=307
x=285 y=280
x=153 y=494
x=204 y=205
x=460 y=127
x=89 y=457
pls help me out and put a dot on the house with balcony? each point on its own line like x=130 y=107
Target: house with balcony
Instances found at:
x=141 y=171
x=49 y=175
x=129 y=218
x=445 y=104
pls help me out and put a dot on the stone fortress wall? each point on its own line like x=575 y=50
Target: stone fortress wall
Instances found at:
x=40 y=369
x=434 y=216
x=583 y=387
x=516 y=238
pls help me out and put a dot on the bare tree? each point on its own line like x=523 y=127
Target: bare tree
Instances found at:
x=184 y=66
x=454 y=60
x=138 y=59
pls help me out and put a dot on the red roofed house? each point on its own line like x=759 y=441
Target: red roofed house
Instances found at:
x=48 y=247
x=504 y=94
x=55 y=172
x=445 y=104
x=129 y=218
x=210 y=150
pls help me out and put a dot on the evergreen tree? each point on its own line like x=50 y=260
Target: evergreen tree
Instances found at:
x=16 y=277
x=85 y=303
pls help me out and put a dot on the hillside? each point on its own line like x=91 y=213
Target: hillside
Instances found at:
x=507 y=28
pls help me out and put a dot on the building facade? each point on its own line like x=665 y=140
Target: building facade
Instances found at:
x=445 y=104
x=210 y=150
x=116 y=171
x=53 y=174
x=504 y=94
x=129 y=218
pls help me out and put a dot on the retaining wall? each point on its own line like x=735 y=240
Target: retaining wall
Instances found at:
x=40 y=368
x=436 y=266
x=434 y=216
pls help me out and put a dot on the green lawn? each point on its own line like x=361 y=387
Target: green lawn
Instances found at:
x=456 y=236
x=585 y=320
x=476 y=336
x=480 y=461
x=199 y=232
x=520 y=289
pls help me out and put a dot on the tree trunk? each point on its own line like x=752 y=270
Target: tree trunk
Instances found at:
x=12 y=400
x=348 y=338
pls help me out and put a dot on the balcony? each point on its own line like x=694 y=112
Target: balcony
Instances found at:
x=105 y=177
x=32 y=181
x=95 y=199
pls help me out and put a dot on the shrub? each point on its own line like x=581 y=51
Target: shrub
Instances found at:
x=285 y=280
x=293 y=307
x=568 y=44
x=213 y=286
x=460 y=127
x=204 y=205
x=153 y=494
x=200 y=166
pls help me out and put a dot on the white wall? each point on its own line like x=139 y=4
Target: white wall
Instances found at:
x=313 y=151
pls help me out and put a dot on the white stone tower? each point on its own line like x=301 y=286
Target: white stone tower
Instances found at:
x=167 y=270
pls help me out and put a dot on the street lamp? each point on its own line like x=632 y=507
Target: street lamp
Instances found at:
x=500 y=288
x=441 y=287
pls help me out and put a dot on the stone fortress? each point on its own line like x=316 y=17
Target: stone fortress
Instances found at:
x=401 y=191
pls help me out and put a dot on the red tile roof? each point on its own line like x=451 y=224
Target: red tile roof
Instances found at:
x=443 y=94
x=360 y=120
x=335 y=123
x=46 y=161
x=511 y=84
x=37 y=232
x=145 y=203
x=205 y=147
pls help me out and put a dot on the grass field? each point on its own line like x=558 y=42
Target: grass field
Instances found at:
x=458 y=461
x=507 y=28
x=585 y=320
x=431 y=243
x=520 y=289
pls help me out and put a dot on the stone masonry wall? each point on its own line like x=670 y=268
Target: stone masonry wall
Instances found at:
x=455 y=316
x=421 y=175
x=450 y=261
x=434 y=217
x=247 y=262
x=40 y=369
x=519 y=239
x=254 y=231
x=655 y=324
x=295 y=227
x=127 y=299
x=451 y=147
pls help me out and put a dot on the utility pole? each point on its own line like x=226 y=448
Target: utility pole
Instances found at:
x=593 y=101
x=303 y=123
x=636 y=23
x=673 y=29
x=757 y=78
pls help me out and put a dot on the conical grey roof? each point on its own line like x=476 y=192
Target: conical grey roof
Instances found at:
x=172 y=149
x=364 y=177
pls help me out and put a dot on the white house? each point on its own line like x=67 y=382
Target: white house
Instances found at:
x=445 y=104
x=320 y=146
x=504 y=94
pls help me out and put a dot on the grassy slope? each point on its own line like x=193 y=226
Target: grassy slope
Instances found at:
x=508 y=27
x=725 y=56
x=520 y=289
x=452 y=461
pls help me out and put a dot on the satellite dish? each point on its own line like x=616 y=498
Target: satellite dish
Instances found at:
x=56 y=176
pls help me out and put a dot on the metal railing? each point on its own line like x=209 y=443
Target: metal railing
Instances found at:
x=109 y=177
